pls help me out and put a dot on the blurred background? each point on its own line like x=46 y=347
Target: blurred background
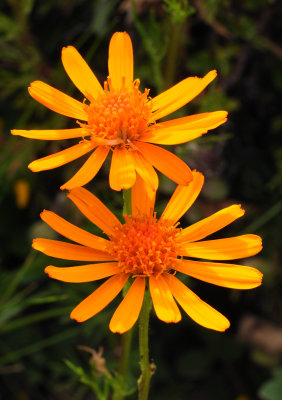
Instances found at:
x=242 y=163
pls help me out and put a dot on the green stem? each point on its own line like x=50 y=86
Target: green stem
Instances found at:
x=126 y=202
x=147 y=369
x=173 y=54
x=126 y=342
x=126 y=339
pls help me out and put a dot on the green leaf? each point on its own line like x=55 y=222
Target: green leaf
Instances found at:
x=272 y=389
x=27 y=6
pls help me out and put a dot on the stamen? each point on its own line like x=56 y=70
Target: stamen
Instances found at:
x=144 y=246
x=118 y=117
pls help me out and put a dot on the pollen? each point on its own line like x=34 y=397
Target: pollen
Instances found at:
x=144 y=246
x=118 y=116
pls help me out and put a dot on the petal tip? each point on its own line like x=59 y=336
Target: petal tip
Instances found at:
x=68 y=48
x=223 y=325
x=256 y=239
x=188 y=178
x=211 y=75
x=197 y=173
x=34 y=244
x=117 y=329
x=227 y=326
x=48 y=270
x=34 y=83
x=76 y=317
x=241 y=209
x=260 y=278
x=177 y=319
x=124 y=34
x=72 y=317
x=43 y=213
x=32 y=167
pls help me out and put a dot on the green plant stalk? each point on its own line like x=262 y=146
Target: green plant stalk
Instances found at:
x=126 y=193
x=173 y=54
x=126 y=342
x=147 y=369
x=126 y=339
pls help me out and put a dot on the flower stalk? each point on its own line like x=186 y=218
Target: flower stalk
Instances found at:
x=126 y=193
x=147 y=369
x=126 y=340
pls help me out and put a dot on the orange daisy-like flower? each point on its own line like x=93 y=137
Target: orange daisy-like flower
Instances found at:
x=121 y=118
x=144 y=248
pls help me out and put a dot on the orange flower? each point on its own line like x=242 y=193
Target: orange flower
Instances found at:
x=144 y=248
x=119 y=117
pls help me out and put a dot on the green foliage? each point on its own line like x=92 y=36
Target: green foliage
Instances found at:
x=272 y=389
x=155 y=46
x=241 y=160
x=102 y=383
x=178 y=10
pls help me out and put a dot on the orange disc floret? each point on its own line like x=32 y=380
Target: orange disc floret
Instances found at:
x=144 y=246
x=118 y=115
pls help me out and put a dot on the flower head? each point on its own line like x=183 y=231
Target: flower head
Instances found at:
x=146 y=249
x=121 y=119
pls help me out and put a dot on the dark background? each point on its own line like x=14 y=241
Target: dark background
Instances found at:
x=242 y=163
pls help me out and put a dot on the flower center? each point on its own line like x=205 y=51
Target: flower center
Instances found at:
x=144 y=246
x=118 y=116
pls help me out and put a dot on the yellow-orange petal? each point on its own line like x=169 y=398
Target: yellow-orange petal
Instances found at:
x=145 y=170
x=226 y=275
x=69 y=251
x=57 y=101
x=72 y=232
x=163 y=302
x=122 y=172
x=120 y=60
x=183 y=198
x=211 y=224
x=129 y=309
x=197 y=309
x=180 y=94
x=62 y=157
x=208 y=120
x=94 y=210
x=88 y=170
x=83 y=273
x=50 y=134
x=99 y=299
x=171 y=137
x=142 y=198
x=166 y=162
x=80 y=73
x=223 y=249
x=182 y=130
